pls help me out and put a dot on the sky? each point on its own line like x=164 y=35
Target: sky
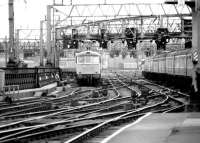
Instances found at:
x=28 y=13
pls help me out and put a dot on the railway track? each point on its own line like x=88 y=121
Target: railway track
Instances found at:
x=64 y=100
x=155 y=88
x=82 y=123
x=43 y=106
x=92 y=109
x=113 y=124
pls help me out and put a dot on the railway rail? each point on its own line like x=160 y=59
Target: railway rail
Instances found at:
x=153 y=87
x=82 y=123
x=78 y=109
x=121 y=119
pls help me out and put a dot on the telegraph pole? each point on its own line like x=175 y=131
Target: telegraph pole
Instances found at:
x=11 y=51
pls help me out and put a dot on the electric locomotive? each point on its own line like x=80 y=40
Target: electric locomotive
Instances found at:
x=88 y=67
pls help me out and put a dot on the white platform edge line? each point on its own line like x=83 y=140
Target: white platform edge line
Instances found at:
x=125 y=127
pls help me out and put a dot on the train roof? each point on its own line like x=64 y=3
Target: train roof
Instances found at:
x=88 y=53
x=179 y=52
x=172 y=53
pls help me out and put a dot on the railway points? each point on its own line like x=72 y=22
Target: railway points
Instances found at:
x=100 y=72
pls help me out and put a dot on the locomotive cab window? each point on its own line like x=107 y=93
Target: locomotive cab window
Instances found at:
x=88 y=59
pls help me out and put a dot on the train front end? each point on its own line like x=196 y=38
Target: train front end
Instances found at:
x=88 y=67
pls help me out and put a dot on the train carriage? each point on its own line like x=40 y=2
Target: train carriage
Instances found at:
x=174 y=63
x=170 y=63
x=189 y=65
x=162 y=63
x=148 y=67
x=173 y=67
x=155 y=65
x=180 y=65
x=151 y=65
x=88 y=67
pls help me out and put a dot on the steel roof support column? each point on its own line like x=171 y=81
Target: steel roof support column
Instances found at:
x=11 y=51
x=17 y=52
x=41 y=43
x=196 y=27
x=195 y=97
x=49 y=42
x=141 y=27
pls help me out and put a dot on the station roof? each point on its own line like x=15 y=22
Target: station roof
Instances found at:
x=84 y=13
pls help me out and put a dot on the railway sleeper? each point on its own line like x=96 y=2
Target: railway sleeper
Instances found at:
x=35 y=109
x=49 y=134
x=19 y=107
x=11 y=127
x=26 y=115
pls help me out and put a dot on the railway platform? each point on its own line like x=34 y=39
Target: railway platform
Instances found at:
x=31 y=93
x=160 y=128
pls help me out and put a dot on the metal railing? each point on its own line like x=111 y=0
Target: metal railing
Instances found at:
x=28 y=78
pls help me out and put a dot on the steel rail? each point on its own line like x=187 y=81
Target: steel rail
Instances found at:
x=104 y=125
